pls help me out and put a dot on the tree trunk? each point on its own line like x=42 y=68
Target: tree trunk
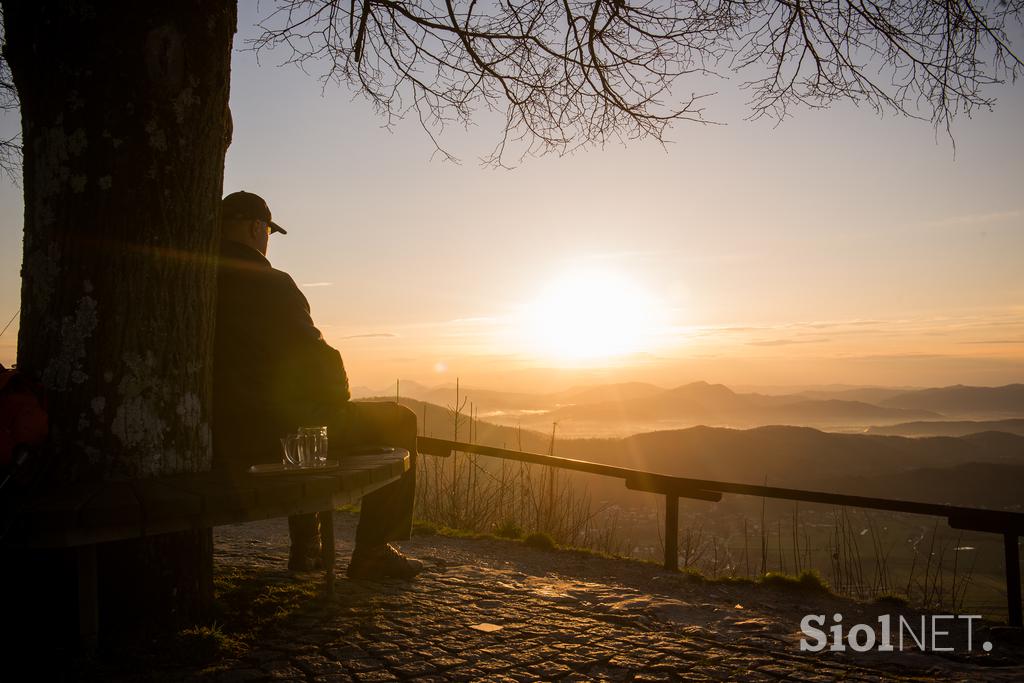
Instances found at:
x=124 y=118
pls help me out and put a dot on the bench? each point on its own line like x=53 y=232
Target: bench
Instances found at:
x=84 y=515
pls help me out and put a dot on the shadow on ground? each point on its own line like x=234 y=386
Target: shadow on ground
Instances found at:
x=493 y=610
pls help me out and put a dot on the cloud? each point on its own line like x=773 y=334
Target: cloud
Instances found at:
x=471 y=321
x=712 y=331
x=995 y=341
x=784 y=342
x=844 y=323
x=897 y=356
x=387 y=335
x=317 y=284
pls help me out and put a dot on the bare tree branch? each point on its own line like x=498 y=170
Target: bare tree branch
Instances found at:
x=568 y=73
x=10 y=148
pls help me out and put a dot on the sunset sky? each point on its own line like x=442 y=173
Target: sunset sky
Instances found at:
x=837 y=247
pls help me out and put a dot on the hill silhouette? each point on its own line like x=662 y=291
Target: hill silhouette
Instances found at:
x=703 y=403
x=633 y=407
x=802 y=457
x=972 y=484
x=963 y=401
x=866 y=394
x=486 y=400
x=790 y=455
x=438 y=421
x=982 y=469
x=950 y=428
x=608 y=392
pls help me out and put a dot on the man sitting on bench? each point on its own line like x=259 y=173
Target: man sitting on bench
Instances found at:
x=273 y=372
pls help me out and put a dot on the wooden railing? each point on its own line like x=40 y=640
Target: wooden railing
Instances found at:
x=1009 y=524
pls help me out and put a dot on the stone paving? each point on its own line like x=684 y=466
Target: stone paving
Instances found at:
x=498 y=611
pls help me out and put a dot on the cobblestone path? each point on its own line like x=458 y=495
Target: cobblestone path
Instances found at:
x=498 y=611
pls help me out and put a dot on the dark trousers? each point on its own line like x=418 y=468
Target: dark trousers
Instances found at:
x=386 y=514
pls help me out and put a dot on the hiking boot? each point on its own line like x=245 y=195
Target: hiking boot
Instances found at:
x=382 y=561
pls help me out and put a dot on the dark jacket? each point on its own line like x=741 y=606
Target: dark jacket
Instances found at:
x=273 y=372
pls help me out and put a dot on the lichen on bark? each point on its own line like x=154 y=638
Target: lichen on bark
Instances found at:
x=137 y=421
x=65 y=366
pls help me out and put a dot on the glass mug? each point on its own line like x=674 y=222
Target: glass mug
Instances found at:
x=307 y=448
x=313 y=446
x=290 y=451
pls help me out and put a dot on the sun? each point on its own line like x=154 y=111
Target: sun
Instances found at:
x=588 y=314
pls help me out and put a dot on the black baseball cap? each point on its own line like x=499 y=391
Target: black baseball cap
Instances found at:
x=247 y=205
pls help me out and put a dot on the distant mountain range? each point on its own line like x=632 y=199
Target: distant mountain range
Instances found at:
x=489 y=400
x=438 y=421
x=866 y=394
x=963 y=401
x=792 y=456
x=983 y=469
x=950 y=428
x=703 y=403
x=620 y=409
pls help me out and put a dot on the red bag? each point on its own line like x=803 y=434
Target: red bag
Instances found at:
x=23 y=418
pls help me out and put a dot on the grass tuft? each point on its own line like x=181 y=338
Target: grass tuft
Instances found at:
x=540 y=540
x=895 y=599
x=202 y=644
x=423 y=528
x=808 y=580
x=508 y=529
x=693 y=575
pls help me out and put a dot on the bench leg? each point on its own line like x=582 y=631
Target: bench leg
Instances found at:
x=327 y=549
x=88 y=608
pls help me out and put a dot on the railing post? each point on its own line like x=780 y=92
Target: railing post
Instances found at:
x=671 y=532
x=1012 y=579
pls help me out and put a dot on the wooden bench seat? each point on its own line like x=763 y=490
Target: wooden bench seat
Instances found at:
x=81 y=516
